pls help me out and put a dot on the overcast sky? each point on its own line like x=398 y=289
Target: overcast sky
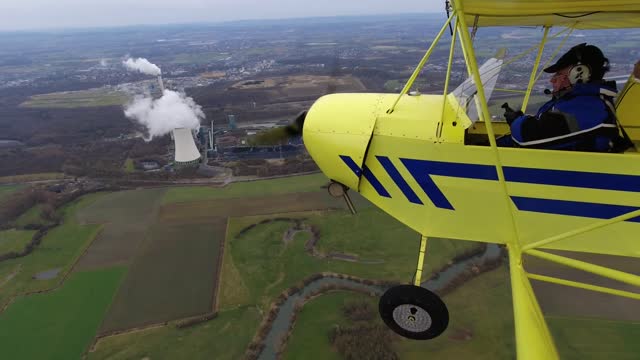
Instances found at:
x=39 y=14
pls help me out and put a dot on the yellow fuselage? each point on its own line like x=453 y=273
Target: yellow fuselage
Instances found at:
x=413 y=163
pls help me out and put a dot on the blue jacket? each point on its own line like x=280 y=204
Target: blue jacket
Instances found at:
x=582 y=119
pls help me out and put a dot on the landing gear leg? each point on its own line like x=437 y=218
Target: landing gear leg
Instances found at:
x=338 y=190
x=413 y=311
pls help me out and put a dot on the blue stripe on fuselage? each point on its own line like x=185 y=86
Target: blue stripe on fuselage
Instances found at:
x=367 y=175
x=421 y=170
x=579 y=179
x=573 y=208
x=399 y=180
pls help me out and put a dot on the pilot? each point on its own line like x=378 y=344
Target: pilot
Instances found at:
x=580 y=116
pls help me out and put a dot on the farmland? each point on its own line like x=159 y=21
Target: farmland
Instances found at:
x=59 y=324
x=173 y=276
x=199 y=210
x=127 y=216
x=59 y=250
x=77 y=99
x=257 y=265
x=164 y=245
x=294 y=184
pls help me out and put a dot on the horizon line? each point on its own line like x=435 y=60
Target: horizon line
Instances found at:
x=186 y=23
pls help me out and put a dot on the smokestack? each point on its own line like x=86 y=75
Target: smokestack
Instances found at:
x=211 y=145
x=160 y=84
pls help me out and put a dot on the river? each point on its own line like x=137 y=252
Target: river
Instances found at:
x=280 y=325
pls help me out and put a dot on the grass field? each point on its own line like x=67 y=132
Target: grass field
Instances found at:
x=247 y=189
x=224 y=338
x=586 y=339
x=309 y=339
x=7 y=190
x=77 y=99
x=59 y=324
x=31 y=217
x=59 y=250
x=127 y=216
x=482 y=306
x=14 y=240
x=261 y=262
x=173 y=276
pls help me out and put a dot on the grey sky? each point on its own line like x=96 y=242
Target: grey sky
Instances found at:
x=33 y=14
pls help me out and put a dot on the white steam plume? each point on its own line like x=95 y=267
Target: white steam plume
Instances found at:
x=173 y=110
x=143 y=65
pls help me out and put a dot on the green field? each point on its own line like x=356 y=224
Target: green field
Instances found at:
x=262 y=265
x=224 y=338
x=173 y=276
x=77 y=99
x=169 y=240
x=59 y=250
x=247 y=189
x=482 y=306
x=6 y=190
x=14 y=240
x=309 y=339
x=586 y=339
x=31 y=217
x=59 y=324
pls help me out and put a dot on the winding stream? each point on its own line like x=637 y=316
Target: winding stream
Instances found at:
x=280 y=325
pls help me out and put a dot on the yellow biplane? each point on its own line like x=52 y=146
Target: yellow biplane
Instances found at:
x=408 y=155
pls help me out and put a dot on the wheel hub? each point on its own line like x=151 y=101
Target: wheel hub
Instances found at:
x=412 y=318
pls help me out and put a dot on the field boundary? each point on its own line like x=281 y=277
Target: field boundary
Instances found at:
x=62 y=280
x=223 y=243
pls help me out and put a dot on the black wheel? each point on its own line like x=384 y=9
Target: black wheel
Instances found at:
x=413 y=312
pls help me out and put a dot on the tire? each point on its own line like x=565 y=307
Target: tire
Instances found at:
x=413 y=312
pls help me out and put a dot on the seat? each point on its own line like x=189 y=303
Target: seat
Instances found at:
x=628 y=107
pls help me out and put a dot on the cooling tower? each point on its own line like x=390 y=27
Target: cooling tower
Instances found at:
x=186 y=151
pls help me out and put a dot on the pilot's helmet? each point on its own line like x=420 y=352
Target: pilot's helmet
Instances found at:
x=579 y=56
